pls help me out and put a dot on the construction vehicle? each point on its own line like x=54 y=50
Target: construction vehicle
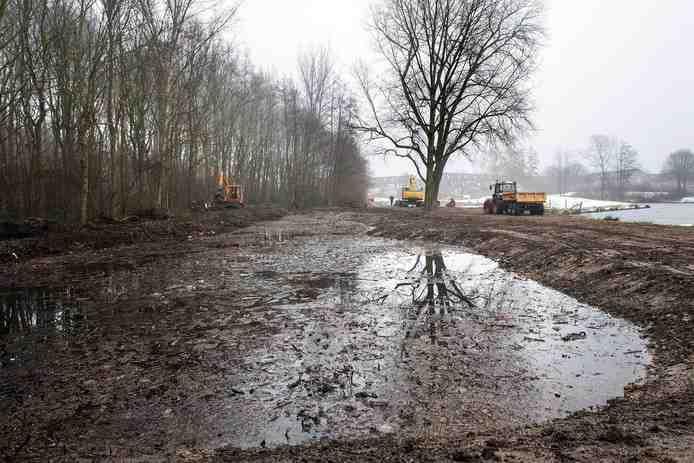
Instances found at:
x=506 y=199
x=411 y=195
x=229 y=194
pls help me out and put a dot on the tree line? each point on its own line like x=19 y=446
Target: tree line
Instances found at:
x=107 y=106
x=614 y=162
x=607 y=167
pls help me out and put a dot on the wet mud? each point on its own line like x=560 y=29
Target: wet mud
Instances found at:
x=416 y=340
x=290 y=332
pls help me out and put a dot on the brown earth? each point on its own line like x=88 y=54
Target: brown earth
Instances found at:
x=643 y=273
x=148 y=227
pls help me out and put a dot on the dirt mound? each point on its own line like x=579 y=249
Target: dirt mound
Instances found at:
x=31 y=241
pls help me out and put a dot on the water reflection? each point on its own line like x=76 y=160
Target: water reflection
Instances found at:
x=433 y=286
x=28 y=310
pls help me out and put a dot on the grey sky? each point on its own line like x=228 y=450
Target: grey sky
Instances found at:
x=621 y=67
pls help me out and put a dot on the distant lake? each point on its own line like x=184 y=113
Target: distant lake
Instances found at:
x=663 y=214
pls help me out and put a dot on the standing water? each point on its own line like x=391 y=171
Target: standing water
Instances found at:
x=658 y=213
x=423 y=340
x=317 y=333
x=29 y=313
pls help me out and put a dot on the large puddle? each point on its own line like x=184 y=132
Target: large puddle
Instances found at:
x=309 y=335
x=425 y=340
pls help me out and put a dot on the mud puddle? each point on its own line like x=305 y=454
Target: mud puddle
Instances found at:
x=304 y=329
x=420 y=340
x=27 y=314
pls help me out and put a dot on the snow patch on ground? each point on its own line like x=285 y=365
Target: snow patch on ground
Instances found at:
x=574 y=202
x=554 y=201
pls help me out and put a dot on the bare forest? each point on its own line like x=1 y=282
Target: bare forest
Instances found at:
x=110 y=106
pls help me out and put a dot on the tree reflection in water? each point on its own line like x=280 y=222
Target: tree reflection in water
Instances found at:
x=36 y=310
x=435 y=286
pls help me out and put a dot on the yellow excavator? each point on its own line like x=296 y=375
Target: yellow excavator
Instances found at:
x=229 y=194
x=411 y=195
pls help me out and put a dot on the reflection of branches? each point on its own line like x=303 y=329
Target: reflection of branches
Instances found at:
x=435 y=285
x=24 y=311
x=416 y=263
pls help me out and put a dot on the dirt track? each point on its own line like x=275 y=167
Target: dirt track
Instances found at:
x=639 y=272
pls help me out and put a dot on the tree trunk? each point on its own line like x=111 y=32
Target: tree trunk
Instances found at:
x=84 y=191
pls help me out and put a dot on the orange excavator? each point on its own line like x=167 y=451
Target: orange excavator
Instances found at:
x=229 y=194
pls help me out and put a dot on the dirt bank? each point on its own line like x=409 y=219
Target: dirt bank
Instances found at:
x=148 y=357
x=155 y=226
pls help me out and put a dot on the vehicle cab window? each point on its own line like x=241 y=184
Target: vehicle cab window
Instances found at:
x=505 y=188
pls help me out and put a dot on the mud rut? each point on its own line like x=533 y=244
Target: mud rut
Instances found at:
x=296 y=330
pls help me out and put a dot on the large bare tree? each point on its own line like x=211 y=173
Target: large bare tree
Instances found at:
x=456 y=78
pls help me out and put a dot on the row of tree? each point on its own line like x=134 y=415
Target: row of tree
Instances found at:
x=606 y=167
x=112 y=105
x=614 y=162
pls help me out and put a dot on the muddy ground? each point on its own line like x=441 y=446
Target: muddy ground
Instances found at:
x=148 y=352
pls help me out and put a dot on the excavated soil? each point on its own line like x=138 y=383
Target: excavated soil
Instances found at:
x=643 y=273
x=192 y=341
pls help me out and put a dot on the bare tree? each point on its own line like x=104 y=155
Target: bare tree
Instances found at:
x=565 y=174
x=512 y=163
x=625 y=163
x=561 y=159
x=457 y=73
x=680 y=165
x=600 y=155
x=316 y=70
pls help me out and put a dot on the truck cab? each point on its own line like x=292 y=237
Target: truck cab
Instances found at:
x=500 y=188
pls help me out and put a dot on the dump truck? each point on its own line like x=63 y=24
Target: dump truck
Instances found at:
x=410 y=194
x=506 y=199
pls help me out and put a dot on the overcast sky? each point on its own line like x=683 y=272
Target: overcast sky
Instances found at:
x=620 y=67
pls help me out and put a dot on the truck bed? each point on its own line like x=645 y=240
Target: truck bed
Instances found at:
x=525 y=197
